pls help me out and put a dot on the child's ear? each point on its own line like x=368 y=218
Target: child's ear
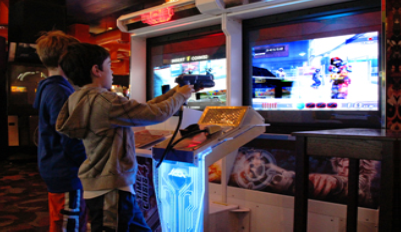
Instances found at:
x=95 y=70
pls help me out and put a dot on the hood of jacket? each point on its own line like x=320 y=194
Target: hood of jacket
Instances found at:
x=73 y=119
x=59 y=80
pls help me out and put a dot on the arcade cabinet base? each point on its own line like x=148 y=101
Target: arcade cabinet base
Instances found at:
x=223 y=217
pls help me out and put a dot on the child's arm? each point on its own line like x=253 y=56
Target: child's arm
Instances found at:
x=164 y=96
x=132 y=113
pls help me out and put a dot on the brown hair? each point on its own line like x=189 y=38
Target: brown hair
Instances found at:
x=78 y=60
x=51 y=45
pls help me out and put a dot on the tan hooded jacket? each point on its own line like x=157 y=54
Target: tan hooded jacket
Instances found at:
x=103 y=120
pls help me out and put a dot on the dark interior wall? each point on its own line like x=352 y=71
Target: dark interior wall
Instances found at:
x=3 y=99
x=27 y=18
x=121 y=80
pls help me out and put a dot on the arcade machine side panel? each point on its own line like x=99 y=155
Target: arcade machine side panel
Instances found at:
x=23 y=79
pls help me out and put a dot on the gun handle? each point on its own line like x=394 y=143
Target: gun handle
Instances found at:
x=165 y=88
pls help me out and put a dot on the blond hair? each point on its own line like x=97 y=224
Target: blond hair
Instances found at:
x=51 y=45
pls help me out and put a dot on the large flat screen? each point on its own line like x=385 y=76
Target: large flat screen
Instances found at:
x=167 y=74
x=319 y=70
x=202 y=55
x=337 y=73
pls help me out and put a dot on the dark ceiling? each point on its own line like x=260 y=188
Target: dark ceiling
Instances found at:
x=101 y=15
x=26 y=18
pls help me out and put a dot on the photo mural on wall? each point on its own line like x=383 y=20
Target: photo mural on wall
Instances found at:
x=393 y=65
x=273 y=170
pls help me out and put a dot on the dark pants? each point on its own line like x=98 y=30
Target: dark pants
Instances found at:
x=116 y=211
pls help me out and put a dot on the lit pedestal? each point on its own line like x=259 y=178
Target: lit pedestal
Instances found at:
x=181 y=181
x=181 y=194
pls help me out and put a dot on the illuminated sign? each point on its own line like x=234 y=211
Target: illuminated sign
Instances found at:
x=189 y=59
x=178 y=60
x=203 y=57
x=18 y=89
x=158 y=16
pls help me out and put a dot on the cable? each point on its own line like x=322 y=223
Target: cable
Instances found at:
x=172 y=138
x=170 y=146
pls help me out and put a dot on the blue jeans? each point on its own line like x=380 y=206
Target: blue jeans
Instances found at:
x=116 y=211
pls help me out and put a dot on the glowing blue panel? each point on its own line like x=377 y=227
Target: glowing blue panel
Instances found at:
x=180 y=191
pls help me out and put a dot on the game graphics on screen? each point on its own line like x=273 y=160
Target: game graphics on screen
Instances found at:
x=197 y=65
x=332 y=73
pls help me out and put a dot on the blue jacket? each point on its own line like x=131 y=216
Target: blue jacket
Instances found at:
x=59 y=157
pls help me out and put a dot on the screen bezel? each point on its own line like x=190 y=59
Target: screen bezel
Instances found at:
x=286 y=122
x=172 y=38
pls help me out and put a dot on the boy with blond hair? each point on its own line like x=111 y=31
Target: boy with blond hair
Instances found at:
x=59 y=157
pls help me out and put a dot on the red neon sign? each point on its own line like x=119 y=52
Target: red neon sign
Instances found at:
x=158 y=16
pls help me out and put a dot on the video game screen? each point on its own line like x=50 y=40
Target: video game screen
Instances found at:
x=321 y=74
x=202 y=64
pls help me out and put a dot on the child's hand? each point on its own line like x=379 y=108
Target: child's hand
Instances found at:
x=199 y=89
x=186 y=90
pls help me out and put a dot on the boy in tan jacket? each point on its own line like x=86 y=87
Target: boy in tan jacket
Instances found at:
x=103 y=120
